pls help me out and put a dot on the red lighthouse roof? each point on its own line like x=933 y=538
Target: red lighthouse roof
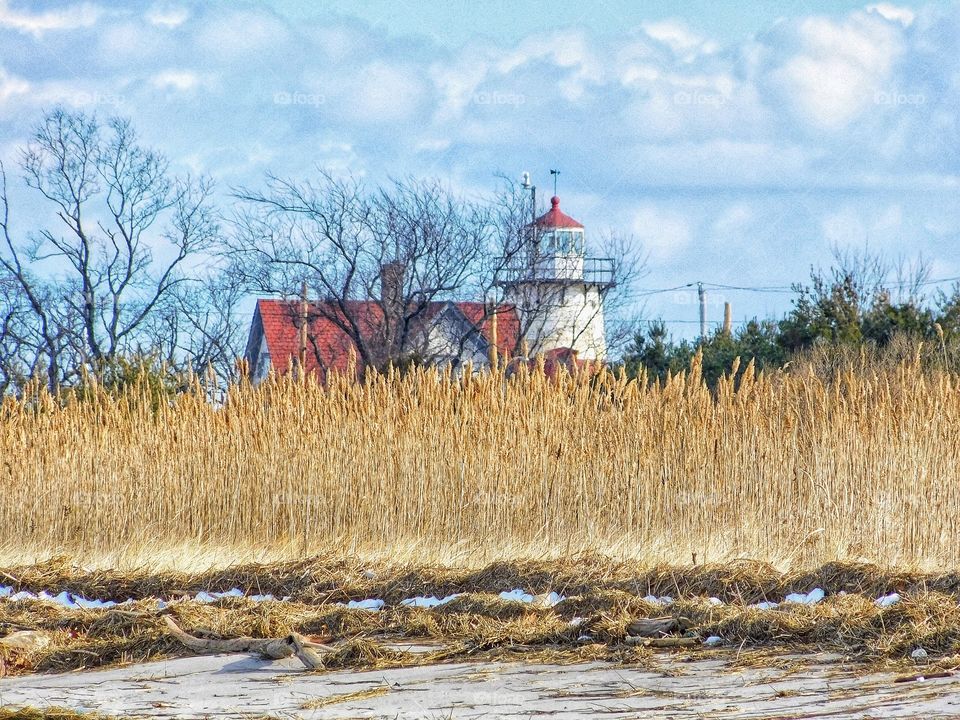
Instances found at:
x=556 y=218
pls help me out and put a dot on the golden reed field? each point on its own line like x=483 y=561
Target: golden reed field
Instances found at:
x=787 y=468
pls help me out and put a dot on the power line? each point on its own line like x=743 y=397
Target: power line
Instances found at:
x=696 y=322
x=643 y=291
x=778 y=289
x=907 y=283
x=761 y=289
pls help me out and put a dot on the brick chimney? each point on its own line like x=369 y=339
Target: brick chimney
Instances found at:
x=391 y=287
x=392 y=277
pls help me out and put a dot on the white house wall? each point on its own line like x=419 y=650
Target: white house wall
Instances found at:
x=262 y=368
x=446 y=342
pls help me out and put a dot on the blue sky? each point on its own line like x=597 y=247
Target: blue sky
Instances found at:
x=736 y=144
x=457 y=22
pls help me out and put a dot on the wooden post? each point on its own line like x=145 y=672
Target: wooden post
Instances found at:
x=494 y=348
x=303 y=329
x=702 y=296
x=727 y=319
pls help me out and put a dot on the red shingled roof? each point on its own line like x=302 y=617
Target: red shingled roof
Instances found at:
x=329 y=347
x=556 y=218
x=508 y=324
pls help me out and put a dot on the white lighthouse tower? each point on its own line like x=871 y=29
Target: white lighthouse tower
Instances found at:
x=557 y=290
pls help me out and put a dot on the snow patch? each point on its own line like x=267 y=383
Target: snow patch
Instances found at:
x=69 y=600
x=662 y=600
x=516 y=595
x=206 y=597
x=85 y=604
x=373 y=604
x=810 y=598
x=550 y=599
x=888 y=600
x=713 y=641
x=428 y=602
x=546 y=600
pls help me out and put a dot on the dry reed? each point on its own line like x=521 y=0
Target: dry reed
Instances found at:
x=787 y=468
x=481 y=627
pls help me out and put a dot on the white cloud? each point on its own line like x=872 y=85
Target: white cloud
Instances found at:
x=679 y=38
x=565 y=55
x=243 y=34
x=11 y=86
x=385 y=93
x=168 y=16
x=662 y=233
x=181 y=80
x=844 y=228
x=794 y=107
x=890 y=220
x=835 y=68
x=904 y=16
x=874 y=226
x=457 y=84
x=69 y=18
x=128 y=44
x=734 y=221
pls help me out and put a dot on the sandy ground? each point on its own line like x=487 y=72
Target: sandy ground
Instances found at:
x=714 y=686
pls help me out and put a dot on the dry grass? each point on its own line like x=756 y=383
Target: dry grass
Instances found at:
x=788 y=469
x=480 y=626
x=344 y=697
x=850 y=625
x=325 y=580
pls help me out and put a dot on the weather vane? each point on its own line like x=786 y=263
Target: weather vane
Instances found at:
x=556 y=174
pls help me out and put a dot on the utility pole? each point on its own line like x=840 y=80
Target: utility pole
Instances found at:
x=701 y=293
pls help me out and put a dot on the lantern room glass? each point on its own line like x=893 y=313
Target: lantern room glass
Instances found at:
x=561 y=242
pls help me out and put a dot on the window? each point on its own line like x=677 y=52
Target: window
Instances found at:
x=567 y=242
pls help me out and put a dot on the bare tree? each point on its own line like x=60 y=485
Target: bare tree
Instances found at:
x=379 y=260
x=125 y=231
x=629 y=263
x=18 y=336
x=199 y=327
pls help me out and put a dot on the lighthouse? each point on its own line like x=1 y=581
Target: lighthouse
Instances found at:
x=558 y=291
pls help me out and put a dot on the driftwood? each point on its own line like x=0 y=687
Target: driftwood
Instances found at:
x=307 y=650
x=652 y=627
x=274 y=648
x=26 y=640
x=923 y=676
